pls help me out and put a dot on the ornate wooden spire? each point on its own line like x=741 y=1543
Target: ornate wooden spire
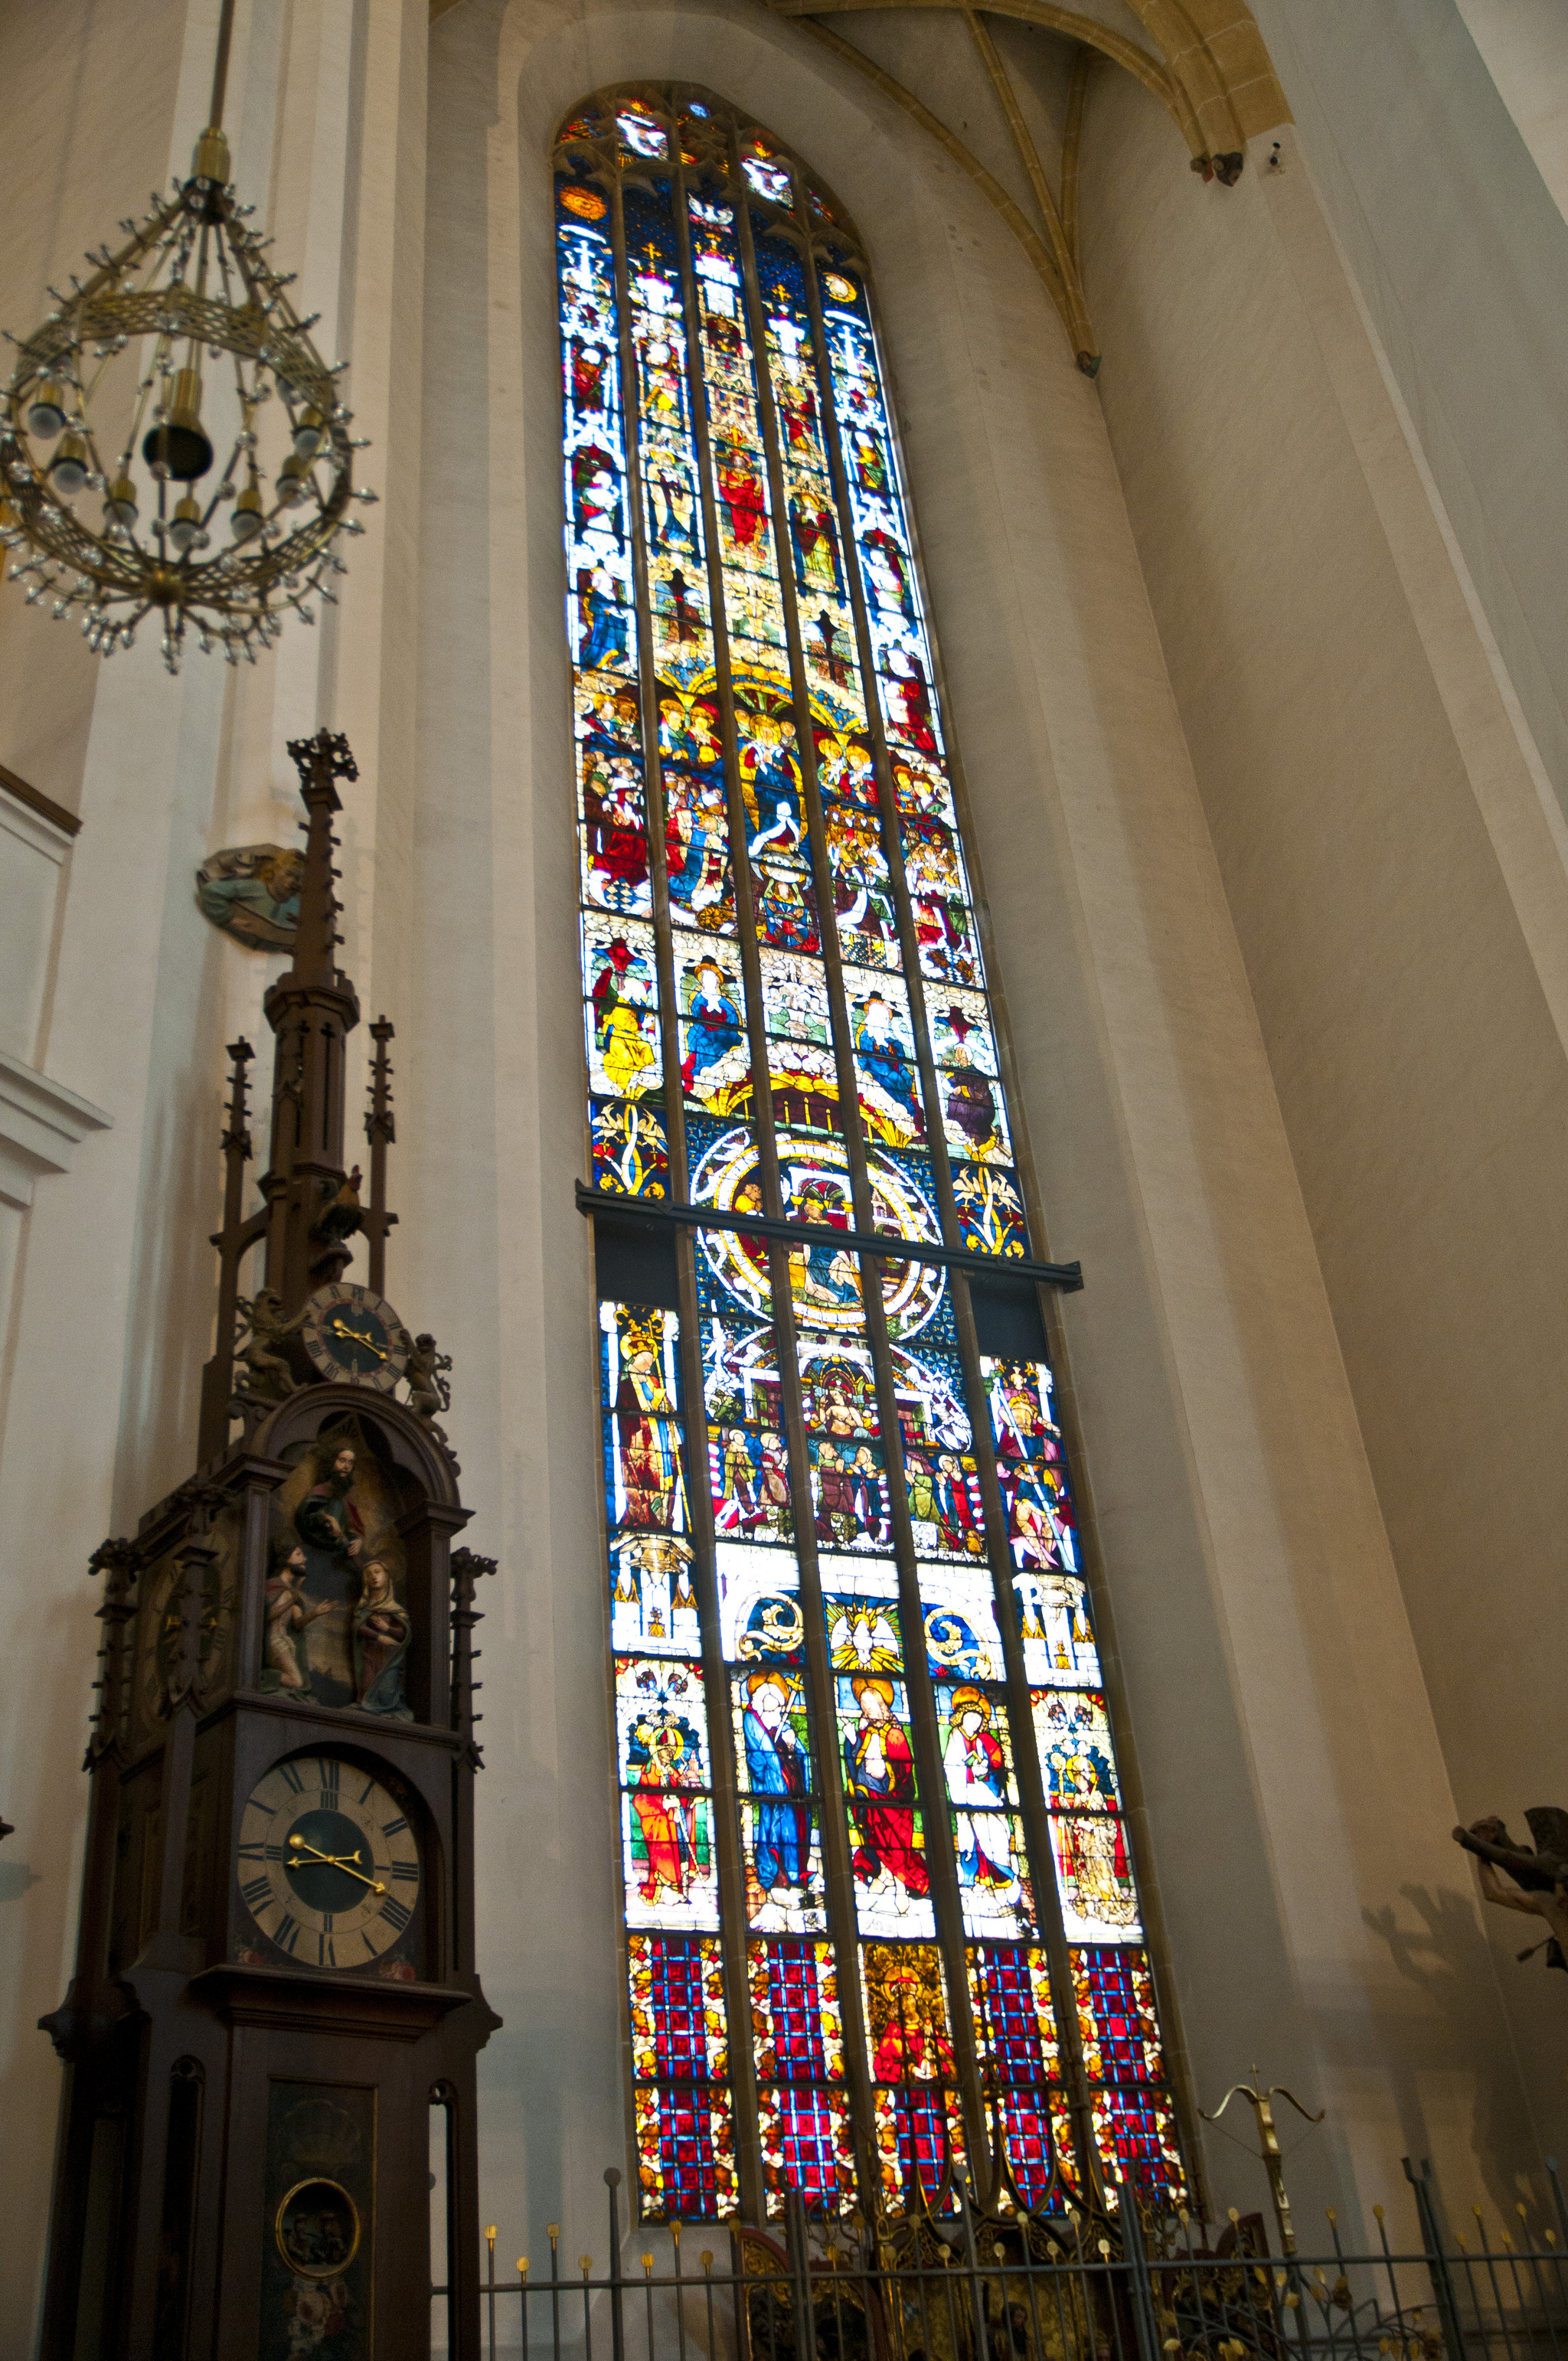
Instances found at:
x=312 y=1210
x=312 y=1009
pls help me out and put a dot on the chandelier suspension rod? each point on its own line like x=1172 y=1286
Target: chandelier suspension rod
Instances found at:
x=221 y=67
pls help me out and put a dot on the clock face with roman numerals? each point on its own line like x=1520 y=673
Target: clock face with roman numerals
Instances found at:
x=328 y=1865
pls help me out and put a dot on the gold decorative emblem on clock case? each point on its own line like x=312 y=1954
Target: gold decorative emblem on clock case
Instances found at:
x=328 y=1866
x=355 y=1336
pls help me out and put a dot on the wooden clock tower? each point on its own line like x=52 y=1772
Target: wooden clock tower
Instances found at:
x=276 y=1994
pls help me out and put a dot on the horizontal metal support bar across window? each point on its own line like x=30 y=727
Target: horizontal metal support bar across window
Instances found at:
x=1067 y=1276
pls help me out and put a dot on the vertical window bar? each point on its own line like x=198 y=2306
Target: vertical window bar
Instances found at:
x=1036 y=1820
x=1100 y=2112
x=922 y=1712
x=1089 y=2108
x=834 y=1850
x=722 y=1743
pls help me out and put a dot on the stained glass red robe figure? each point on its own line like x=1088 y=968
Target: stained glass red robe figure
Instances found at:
x=614 y=831
x=880 y=1774
x=587 y=376
x=909 y=2020
x=666 y=1813
x=740 y=491
x=911 y=700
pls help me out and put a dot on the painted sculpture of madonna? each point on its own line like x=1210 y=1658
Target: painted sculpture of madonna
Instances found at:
x=337 y=1631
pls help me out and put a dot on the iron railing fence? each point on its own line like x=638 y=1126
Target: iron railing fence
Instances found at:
x=1065 y=2286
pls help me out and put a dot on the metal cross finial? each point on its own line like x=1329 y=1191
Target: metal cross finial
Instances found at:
x=324 y=755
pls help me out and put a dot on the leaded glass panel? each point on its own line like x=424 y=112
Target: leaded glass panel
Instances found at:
x=881 y=1910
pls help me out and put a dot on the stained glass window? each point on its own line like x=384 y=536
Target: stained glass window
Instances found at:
x=881 y=1907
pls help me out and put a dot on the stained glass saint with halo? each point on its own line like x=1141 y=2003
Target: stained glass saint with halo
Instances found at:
x=881 y=1910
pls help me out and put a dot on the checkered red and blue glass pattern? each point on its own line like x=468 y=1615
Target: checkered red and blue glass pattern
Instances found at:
x=807 y=2137
x=689 y=2171
x=796 y=1999
x=1116 y=1981
x=921 y=2121
x=1027 y=2129
x=1134 y=2125
x=1134 y=2131
x=675 y=2004
x=1013 y=2048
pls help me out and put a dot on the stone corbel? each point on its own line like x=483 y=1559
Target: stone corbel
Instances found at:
x=40 y=1122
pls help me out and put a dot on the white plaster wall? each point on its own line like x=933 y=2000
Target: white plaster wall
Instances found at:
x=1461 y=254
x=99 y=1368
x=88 y=114
x=1392 y=859
x=1524 y=44
x=32 y=853
x=932 y=54
x=1292 y=1781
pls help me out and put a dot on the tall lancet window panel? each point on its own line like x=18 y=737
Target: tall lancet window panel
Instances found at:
x=881 y=1912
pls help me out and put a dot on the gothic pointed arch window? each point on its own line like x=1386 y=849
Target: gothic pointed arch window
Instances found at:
x=880 y=1907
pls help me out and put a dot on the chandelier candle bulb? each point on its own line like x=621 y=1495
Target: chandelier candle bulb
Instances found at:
x=185 y=529
x=46 y=417
x=68 y=470
x=120 y=503
x=246 y=522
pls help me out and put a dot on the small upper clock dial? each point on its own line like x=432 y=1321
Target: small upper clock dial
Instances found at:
x=355 y=1336
x=328 y=1865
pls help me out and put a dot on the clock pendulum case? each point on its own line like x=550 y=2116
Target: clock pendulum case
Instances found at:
x=275 y=1979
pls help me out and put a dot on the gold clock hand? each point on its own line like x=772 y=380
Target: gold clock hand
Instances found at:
x=331 y=1861
x=353 y=1336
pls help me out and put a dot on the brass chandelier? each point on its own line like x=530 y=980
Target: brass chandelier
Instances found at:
x=221 y=552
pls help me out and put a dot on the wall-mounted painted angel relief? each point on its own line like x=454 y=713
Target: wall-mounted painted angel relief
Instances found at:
x=252 y=892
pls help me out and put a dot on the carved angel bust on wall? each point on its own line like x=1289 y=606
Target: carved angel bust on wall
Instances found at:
x=252 y=892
